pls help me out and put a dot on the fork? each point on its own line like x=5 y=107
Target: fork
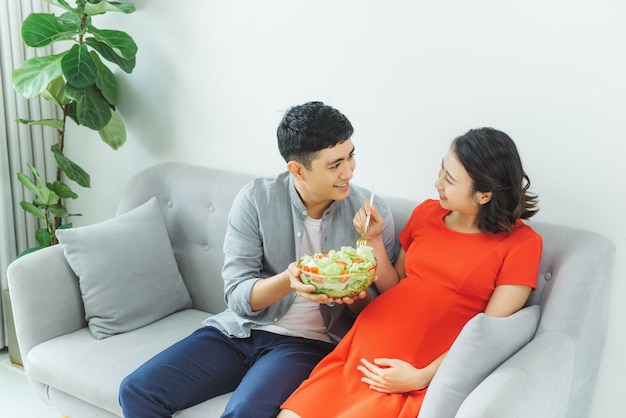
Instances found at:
x=363 y=238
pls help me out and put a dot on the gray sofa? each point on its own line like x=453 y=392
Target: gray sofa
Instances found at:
x=548 y=370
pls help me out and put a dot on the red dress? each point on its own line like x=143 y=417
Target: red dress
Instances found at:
x=450 y=278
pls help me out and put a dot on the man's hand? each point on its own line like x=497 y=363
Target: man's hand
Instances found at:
x=307 y=290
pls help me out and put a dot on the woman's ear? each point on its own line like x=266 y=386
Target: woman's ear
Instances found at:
x=484 y=197
x=296 y=169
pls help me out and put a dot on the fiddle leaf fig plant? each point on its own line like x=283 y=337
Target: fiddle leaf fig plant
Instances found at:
x=81 y=86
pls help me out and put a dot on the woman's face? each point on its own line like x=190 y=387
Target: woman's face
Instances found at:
x=455 y=187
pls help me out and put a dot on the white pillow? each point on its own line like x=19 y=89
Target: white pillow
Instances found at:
x=127 y=272
x=484 y=344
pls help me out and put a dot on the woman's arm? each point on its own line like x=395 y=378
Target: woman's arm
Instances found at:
x=507 y=299
x=387 y=275
x=399 y=265
x=397 y=376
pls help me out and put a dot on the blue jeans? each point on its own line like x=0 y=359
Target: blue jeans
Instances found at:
x=262 y=370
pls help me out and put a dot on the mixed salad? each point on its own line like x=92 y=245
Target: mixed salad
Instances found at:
x=339 y=273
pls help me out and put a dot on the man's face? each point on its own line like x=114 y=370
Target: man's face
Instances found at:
x=329 y=177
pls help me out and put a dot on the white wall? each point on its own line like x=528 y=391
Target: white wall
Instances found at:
x=214 y=77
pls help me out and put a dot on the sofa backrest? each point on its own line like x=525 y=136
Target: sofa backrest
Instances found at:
x=573 y=290
x=195 y=202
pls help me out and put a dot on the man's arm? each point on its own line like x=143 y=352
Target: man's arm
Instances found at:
x=270 y=290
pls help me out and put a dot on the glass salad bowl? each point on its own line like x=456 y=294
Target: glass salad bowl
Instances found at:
x=339 y=273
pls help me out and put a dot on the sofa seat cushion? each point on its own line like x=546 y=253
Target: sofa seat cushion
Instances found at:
x=92 y=369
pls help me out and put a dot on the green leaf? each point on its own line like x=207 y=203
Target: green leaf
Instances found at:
x=35 y=173
x=54 y=123
x=28 y=183
x=33 y=210
x=114 y=133
x=55 y=92
x=32 y=77
x=42 y=29
x=92 y=110
x=60 y=3
x=47 y=196
x=108 y=54
x=70 y=169
x=73 y=18
x=78 y=67
x=106 y=6
x=61 y=212
x=120 y=42
x=71 y=107
x=105 y=80
x=43 y=237
x=29 y=250
x=50 y=197
x=62 y=190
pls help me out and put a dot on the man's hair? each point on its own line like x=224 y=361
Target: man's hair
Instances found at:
x=309 y=128
x=491 y=159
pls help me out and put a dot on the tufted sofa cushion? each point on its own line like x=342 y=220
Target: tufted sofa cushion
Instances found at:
x=126 y=269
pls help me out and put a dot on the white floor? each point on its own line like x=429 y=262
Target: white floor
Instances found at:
x=17 y=398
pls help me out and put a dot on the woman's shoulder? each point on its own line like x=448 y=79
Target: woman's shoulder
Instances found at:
x=524 y=234
x=428 y=207
x=426 y=212
x=524 y=230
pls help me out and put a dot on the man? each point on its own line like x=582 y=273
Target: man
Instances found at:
x=275 y=330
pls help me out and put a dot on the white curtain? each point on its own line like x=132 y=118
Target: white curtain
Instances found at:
x=19 y=143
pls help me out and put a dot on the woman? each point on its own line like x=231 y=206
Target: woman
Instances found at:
x=466 y=253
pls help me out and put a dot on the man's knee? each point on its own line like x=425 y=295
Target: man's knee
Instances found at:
x=129 y=389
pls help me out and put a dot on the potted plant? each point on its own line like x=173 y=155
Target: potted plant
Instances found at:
x=77 y=81
x=82 y=87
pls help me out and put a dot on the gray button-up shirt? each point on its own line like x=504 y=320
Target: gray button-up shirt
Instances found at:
x=265 y=229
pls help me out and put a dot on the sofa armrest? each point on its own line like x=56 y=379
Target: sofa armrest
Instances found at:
x=535 y=382
x=45 y=296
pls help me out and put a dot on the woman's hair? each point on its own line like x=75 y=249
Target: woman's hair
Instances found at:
x=491 y=159
x=309 y=128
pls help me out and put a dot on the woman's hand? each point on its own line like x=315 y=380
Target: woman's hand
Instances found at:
x=393 y=376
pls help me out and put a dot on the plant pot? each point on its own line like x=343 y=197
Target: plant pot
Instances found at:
x=14 y=351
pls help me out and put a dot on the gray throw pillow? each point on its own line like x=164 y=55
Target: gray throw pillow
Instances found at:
x=484 y=344
x=127 y=272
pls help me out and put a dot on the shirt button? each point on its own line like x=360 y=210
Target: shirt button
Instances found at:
x=240 y=334
x=275 y=319
x=299 y=234
x=304 y=212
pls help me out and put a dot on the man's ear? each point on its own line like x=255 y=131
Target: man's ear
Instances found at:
x=296 y=169
x=484 y=197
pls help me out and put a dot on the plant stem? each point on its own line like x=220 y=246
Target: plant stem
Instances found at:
x=61 y=136
x=83 y=23
x=56 y=220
